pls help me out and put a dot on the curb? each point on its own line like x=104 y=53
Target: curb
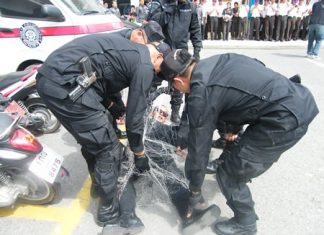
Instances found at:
x=235 y=44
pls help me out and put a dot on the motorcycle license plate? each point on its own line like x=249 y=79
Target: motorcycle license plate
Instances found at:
x=46 y=164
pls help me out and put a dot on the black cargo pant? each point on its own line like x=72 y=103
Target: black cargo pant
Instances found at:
x=259 y=147
x=91 y=129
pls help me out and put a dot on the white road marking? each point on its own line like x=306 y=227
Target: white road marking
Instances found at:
x=316 y=62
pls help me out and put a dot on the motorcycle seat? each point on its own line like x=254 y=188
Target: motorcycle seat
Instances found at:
x=11 y=78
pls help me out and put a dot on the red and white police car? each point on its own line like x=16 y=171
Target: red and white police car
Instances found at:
x=31 y=29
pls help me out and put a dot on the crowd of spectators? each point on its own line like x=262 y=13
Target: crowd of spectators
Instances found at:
x=268 y=20
x=135 y=14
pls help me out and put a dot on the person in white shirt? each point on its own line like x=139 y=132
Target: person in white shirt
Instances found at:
x=220 y=8
x=291 y=20
x=270 y=11
x=213 y=16
x=256 y=11
x=227 y=20
x=205 y=21
x=282 y=12
x=299 y=17
x=305 y=21
x=243 y=20
x=200 y=15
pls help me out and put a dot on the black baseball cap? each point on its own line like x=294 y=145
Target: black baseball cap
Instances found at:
x=162 y=47
x=175 y=63
x=153 y=31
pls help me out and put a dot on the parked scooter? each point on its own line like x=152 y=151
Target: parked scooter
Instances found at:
x=29 y=172
x=21 y=87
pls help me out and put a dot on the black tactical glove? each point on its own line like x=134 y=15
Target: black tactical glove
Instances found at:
x=196 y=54
x=117 y=111
x=182 y=136
x=141 y=163
x=183 y=130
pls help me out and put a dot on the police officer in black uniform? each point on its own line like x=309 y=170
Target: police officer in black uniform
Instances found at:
x=117 y=63
x=178 y=19
x=222 y=88
x=149 y=32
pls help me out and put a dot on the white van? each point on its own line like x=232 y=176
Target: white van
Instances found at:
x=31 y=29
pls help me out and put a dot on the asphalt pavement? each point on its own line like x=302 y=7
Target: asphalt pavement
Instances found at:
x=289 y=197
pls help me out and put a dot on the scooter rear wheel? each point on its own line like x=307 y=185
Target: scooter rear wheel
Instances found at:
x=38 y=190
x=37 y=106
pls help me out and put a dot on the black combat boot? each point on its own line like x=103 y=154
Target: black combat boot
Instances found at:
x=108 y=212
x=128 y=224
x=175 y=117
x=131 y=223
x=200 y=219
x=232 y=227
x=212 y=166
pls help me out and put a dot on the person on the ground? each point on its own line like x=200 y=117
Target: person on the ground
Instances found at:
x=276 y=110
x=316 y=30
x=113 y=63
x=158 y=134
x=178 y=19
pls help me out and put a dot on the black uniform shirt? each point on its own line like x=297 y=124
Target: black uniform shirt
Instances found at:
x=239 y=90
x=118 y=64
x=177 y=21
x=317 y=16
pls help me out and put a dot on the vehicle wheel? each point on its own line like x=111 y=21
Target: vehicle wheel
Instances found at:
x=32 y=66
x=37 y=106
x=38 y=190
